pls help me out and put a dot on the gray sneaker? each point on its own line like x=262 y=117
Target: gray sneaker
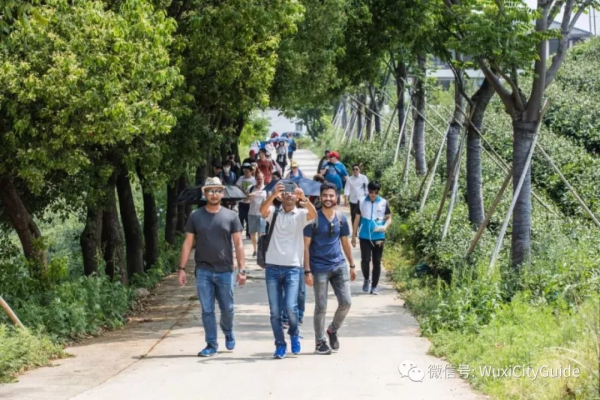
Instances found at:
x=366 y=285
x=374 y=291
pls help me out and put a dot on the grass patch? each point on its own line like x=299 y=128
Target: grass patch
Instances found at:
x=21 y=349
x=517 y=334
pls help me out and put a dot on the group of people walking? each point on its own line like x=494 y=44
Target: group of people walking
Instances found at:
x=301 y=246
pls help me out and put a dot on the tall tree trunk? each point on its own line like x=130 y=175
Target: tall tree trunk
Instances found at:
x=359 y=121
x=336 y=109
x=240 y=123
x=23 y=223
x=344 y=113
x=454 y=131
x=90 y=240
x=208 y=165
x=523 y=134
x=369 y=117
x=112 y=238
x=181 y=208
x=134 y=240
x=151 y=250
x=419 y=125
x=171 y=214
x=376 y=110
x=480 y=100
x=401 y=76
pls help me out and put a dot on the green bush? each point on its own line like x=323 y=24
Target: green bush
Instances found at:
x=71 y=308
x=574 y=110
x=20 y=349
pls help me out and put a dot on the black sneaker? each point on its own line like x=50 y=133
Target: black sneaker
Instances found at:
x=322 y=348
x=333 y=339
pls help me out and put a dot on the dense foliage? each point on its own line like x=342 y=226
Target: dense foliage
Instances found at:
x=459 y=302
x=574 y=110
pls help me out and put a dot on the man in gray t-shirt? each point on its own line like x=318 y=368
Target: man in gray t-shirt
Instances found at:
x=217 y=231
x=214 y=248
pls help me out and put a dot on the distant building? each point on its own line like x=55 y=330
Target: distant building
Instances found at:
x=280 y=123
x=445 y=76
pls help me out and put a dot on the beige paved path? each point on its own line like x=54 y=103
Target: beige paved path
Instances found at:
x=155 y=356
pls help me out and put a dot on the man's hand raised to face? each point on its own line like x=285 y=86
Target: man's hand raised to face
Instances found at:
x=300 y=194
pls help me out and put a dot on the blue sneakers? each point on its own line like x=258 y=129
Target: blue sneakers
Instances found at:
x=280 y=352
x=366 y=286
x=295 y=344
x=230 y=342
x=208 y=351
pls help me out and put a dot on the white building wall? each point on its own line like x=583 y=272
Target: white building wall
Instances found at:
x=280 y=123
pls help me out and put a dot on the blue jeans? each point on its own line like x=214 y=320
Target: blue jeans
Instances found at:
x=301 y=300
x=217 y=285
x=282 y=279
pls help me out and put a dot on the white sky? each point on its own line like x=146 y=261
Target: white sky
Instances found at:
x=582 y=23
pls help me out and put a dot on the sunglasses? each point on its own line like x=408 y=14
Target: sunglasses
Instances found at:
x=213 y=192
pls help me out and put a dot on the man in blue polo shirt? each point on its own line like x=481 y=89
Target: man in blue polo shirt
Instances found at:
x=324 y=263
x=335 y=172
x=373 y=217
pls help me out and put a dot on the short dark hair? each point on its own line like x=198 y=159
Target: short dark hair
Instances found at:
x=328 y=186
x=227 y=162
x=375 y=185
x=355 y=165
x=217 y=165
x=263 y=150
x=319 y=178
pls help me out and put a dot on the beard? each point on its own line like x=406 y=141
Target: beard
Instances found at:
x=328 y=203
x=213 y=202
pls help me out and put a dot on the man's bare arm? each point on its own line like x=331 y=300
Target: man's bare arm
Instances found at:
x=240 y=255
x=307 y=241
x=186 y=249
x=347 y=249
x=356 y=224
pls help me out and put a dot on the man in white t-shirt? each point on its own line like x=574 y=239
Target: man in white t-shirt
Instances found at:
x=284 y=258
x=356 y=189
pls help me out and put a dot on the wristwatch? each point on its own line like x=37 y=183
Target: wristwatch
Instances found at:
x=182 y=268
x=243 y=272
x=352 y=266
x=307 y=272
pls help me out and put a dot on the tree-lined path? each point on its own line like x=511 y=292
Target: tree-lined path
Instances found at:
x=154 y=356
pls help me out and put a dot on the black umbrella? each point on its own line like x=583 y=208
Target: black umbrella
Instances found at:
x=195 y=195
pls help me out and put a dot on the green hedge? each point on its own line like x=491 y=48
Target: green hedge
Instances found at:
x=575 y=111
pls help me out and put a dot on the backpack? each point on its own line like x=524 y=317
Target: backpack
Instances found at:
x=343 y=177
x=263 y=242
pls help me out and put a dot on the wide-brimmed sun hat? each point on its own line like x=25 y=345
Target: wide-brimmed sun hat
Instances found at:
x=213 y=183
